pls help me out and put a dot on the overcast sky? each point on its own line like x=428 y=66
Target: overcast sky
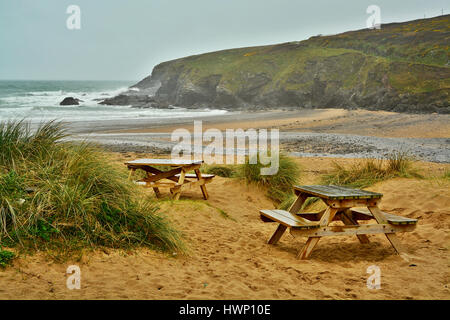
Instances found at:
x=124 y=39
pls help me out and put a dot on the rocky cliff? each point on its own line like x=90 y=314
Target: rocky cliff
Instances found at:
x=401 y=67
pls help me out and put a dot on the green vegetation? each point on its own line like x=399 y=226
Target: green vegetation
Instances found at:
x=410 y=59
x=368 y=172
x=279 y=185
x=62 y=196
x=6 y=258
x=221 y=170
x=446 y=175
x=422 y=41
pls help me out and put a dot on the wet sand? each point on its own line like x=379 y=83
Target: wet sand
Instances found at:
x=358 y=122
x=308 y=132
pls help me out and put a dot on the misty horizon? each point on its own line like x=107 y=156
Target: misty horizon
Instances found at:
x=130 y=49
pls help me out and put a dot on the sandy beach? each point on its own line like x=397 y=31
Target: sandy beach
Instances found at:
x=229 y=258
x=198 y=156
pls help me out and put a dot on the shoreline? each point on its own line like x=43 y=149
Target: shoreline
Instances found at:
x=304 y=133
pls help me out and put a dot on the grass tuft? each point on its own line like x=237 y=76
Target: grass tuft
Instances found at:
x=6 y=258
x=279 y=185
x=368 y=172
x=221 y=171
x=64 y=196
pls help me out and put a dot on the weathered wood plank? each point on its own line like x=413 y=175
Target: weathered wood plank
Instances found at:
x=162 y=175
x=351 y=203
x=190 y=184
x=193 y=176
x=348 y=230
x=162 y=162
x=287 y=219
x=391 y=218
x=337 y=192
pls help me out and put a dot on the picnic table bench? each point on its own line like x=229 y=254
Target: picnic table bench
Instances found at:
x=343 y=204
x=178 y=177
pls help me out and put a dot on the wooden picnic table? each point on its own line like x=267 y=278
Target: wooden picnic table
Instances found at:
x=343 y=204
x=178 y=176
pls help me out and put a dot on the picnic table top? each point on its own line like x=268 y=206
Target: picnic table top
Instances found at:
x=337 y=193
x=163 y=162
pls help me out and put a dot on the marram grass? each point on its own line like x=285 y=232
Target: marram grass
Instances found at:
x=368 y=172
x=63 y=196
x=279 y=186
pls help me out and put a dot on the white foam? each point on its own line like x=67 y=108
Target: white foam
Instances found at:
x=44 y=105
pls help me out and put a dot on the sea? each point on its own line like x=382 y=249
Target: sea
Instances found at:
x=38 y=101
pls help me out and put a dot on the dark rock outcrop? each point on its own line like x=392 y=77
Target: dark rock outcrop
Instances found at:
x=70 y=101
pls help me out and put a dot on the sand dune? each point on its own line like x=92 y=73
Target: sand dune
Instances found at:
x=229 y=258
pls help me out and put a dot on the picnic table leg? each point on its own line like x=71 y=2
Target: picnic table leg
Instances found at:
x=155 y=189
x=180 y=182
x=202 y=187
x=348 y=220
x=157 y=193
x=298 y=203
x=130 y=175
x=392 y=237
x=327 y=217
x=295 y=207
x=277 y=234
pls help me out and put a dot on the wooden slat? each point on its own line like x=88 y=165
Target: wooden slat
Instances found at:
x=337 y=192
x=399 y=220
x=157 y=184
x=157 y=172
x=287 y=219
x=391 y=218
x=162 y=162
x=351 y=203
x=352 y=230
x=193 y=176
x=162 y=175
